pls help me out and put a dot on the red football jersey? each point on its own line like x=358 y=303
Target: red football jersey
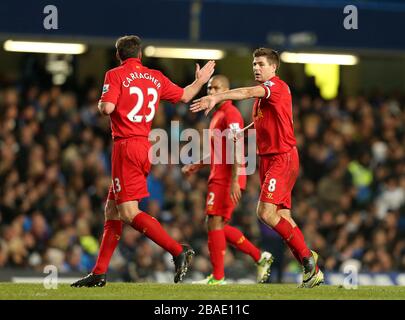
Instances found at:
x=273 y=118
x=136 y=91
x=227 y=116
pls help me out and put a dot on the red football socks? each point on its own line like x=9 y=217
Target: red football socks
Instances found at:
x=236 y=238
x=151 y=228
x=294 y=239
x=297 y=233
x=111 y=236
x=217 y=247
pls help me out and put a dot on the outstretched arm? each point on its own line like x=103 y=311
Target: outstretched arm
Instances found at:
x=201 y=77
x=208 y=102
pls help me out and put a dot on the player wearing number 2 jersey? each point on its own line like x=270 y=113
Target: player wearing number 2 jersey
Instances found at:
x=130 y=96
x=224 y=190
x=279 y=163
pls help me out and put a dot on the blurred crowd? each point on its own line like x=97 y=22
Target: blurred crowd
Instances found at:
x=55 y=173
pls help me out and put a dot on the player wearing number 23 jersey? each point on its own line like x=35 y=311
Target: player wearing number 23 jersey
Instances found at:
x=135 y=90
x=130 y=97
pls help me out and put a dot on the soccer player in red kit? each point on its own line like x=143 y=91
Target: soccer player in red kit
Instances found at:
x=224 y=190
x=130 y=97
x=279 y=162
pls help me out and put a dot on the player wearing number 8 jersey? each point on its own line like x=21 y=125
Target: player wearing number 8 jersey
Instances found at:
x=130 y=96
x=279 y=163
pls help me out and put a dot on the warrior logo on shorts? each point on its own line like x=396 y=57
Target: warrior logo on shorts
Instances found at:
x=270 y=196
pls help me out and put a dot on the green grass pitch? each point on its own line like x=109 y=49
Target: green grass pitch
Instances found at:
x=154 y=291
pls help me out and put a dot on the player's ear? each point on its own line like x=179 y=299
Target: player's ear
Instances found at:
x=140 y=54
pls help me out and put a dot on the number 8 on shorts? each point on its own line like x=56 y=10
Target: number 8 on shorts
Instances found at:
x=272 y=185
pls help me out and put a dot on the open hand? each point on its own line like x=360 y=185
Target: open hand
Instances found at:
x=236 y=194
x=205 y=73
x=189 y=169
x=205 y=103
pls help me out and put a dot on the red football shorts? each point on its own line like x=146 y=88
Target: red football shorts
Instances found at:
x=219 y=202
x=278 y=174
x=130 y=168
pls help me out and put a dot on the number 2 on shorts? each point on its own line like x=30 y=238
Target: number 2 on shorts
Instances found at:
x=211 y=197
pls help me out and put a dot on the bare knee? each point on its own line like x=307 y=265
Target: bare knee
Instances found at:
x=128 y=210
x=267 y=212
x=110 y=211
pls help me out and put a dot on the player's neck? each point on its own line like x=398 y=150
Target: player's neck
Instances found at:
x=131 y=59
x=270 y=77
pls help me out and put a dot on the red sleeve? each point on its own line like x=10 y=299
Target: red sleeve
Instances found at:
x=111 y=88
x=170 y=92
x=273 y=90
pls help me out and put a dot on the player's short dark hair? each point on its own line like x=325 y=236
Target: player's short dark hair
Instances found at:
x=272 y=55
x=128 y=47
